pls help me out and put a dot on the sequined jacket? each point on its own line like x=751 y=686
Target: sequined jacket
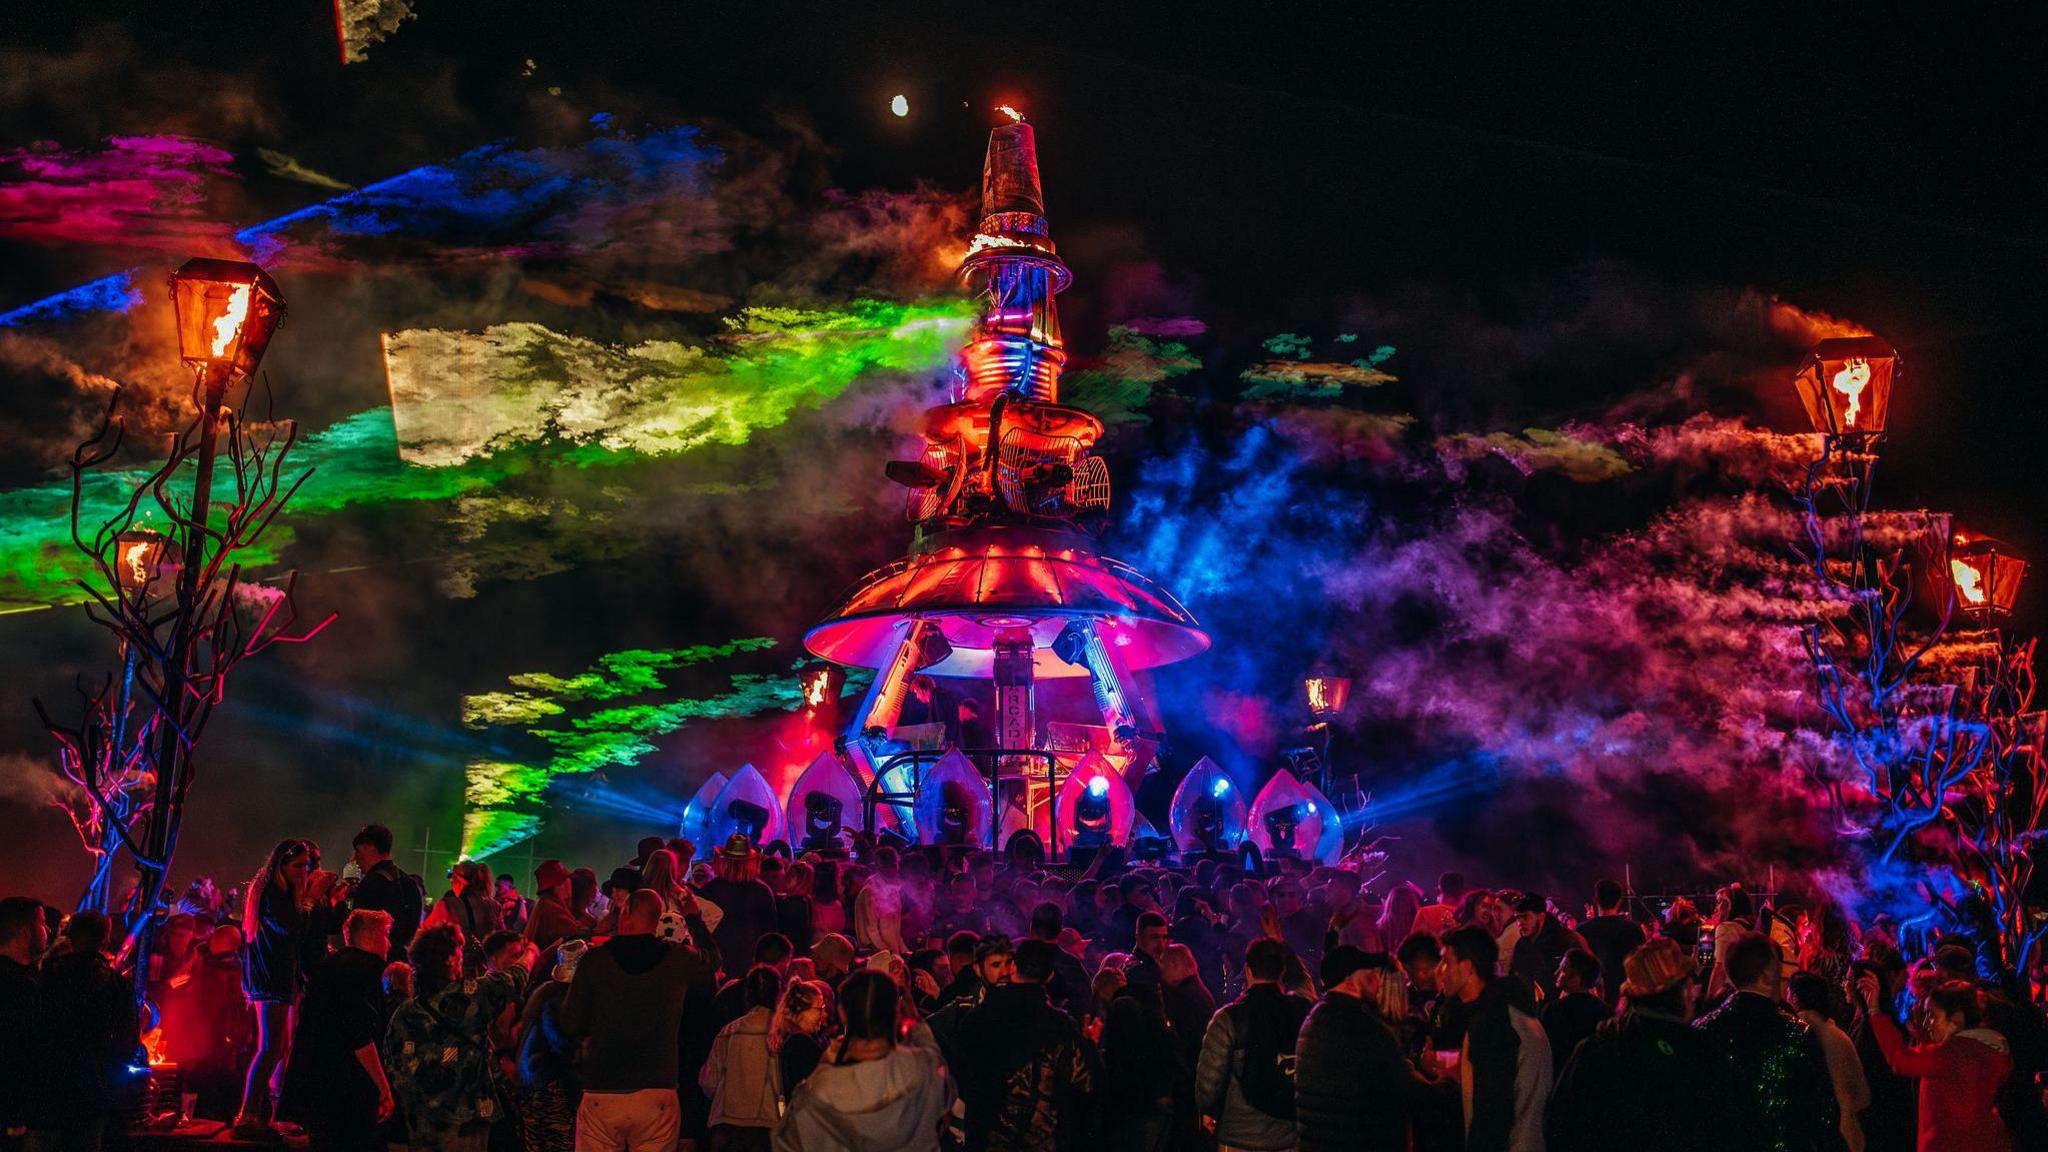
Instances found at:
x=1780 y=1057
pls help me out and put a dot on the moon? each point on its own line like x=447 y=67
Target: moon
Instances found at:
x=899 y=104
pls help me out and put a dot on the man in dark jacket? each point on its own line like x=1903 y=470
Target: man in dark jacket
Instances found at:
x=994 y=962
x=1353 y=1086
x=1610 y=936
x=1541 y=945
x=24 y=937
x=1500 y=1105
x=1773 y=1048
x=1262 y=1024
x=335 y=1081
x=1070 y=989
x=626 y=1007
x=385 y=889
x=1023 y=1064
x=86 y=1038
x=1646 y=1080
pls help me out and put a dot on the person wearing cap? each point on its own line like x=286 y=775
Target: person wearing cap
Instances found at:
x=1353 y=1087
x=1645 y=1079
x=748 y=903
x=553 y=919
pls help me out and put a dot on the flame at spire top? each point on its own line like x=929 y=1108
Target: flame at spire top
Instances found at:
x=1010 y=111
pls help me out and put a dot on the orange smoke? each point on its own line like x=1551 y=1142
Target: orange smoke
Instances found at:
x=1808 y=328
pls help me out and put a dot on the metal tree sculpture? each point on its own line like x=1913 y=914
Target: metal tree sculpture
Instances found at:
x=1913 y=743
x=181 y=613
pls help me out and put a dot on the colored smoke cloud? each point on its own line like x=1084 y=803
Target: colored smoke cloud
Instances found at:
x=137 y=193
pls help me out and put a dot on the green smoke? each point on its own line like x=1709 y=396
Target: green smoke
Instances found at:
x=549 y=402
x=505 y=797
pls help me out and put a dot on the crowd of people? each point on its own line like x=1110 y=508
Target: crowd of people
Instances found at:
x=911 y=999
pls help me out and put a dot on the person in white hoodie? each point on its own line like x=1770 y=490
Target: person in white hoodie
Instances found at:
x=871 y=1094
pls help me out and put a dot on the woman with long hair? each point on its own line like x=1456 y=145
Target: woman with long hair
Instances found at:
x=796 y=1034
x=662 y=874
x=871 y=1094
x=1187 y=1000
x=1397 y=915
x=274 y=922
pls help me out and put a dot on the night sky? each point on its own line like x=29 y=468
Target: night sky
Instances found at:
x=1557 y=217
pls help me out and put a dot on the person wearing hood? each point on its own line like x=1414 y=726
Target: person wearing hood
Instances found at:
x=626 y=1007
x=1960 y=1068
x=870 y=1094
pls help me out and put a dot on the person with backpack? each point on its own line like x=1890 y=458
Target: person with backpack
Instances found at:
x=1244 y=1086
x=470 y=908
x=1354 y=1088
x=384 y=888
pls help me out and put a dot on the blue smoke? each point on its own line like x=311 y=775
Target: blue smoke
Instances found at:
x=1246 y=536
x=499 y=195
x=116 y=293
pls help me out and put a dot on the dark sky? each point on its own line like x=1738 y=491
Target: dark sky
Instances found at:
x=1286 y=167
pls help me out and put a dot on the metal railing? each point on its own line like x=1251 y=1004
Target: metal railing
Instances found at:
x=991 y=763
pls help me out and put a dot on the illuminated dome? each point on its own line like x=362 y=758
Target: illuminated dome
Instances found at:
x=976 y=583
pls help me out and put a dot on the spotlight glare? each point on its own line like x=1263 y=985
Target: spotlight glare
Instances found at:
x=1219 y=789
x=1098 y=787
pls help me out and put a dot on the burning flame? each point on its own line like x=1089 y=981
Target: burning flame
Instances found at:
x=153 y=1043
x=814 y=690
x=983 y=242
x=1850 y=382
x=1969 y=581
x=1014 y=115
x=136 y=557
x=230 y=323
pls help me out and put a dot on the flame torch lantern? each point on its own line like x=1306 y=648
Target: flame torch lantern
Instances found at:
x=227 y=312
x=1987 y=575
x=1846 y=385
x=142 y=559
x=1327 y=695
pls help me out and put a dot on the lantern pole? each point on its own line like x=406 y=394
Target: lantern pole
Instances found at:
x=160 y=833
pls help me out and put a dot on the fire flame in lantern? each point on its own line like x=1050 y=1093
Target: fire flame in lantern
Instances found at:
x=1969 y=581
x=153 y=1043
x=814 y=690
x=1012 y=113
x=229 y=325
x=136 y=557
x=1319 y=695
x=1850 y=382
